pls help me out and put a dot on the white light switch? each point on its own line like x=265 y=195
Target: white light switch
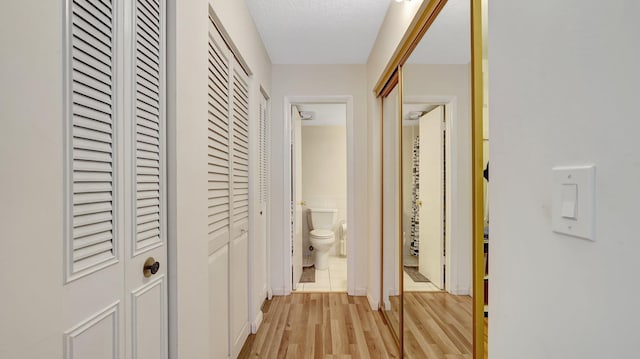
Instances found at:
x=569 y=200
x=573 y=201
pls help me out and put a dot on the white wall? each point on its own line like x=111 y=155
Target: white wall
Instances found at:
x=318 y=80
x=324 y=174
x=31 y=180
x=564 y=84
x=452 y=81
x=187 y=191
x=187 y=100
x=396 y=22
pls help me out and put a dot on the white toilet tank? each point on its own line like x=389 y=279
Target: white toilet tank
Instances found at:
x=323 y=218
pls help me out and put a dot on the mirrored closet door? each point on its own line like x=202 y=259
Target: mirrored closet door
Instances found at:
x=437 y=186
x=433 y=208
x=391 y=282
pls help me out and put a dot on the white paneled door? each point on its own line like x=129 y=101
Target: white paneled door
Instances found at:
x=115 y=290
x=146 y=251
x=83 y=181
x=431 y=198
x=228 y=199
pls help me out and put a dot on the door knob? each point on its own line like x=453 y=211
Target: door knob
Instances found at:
x=150 y=267
x=419 y=203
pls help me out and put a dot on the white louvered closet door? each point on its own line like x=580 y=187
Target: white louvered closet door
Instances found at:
x=93 y=300
x=219 y=193
x=146 y=238
x=239 y=251
x=115 y=180
x=228 y=199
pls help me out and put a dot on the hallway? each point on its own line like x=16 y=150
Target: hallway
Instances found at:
x=146 y=188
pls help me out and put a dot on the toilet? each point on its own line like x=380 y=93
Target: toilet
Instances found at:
x=321 y=236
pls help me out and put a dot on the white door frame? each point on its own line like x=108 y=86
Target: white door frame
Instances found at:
x=451 y=127
x=286 y=209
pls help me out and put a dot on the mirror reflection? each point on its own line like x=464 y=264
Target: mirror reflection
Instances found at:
x=437 y=182
x=391 y=211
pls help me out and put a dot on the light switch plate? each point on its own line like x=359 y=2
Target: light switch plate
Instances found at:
x=582 y=225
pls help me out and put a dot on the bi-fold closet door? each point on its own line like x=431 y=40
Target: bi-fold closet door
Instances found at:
x=115 y=206
x=228 y=199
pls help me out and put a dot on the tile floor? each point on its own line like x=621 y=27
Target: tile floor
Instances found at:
x=334 y=279
x=411 y=286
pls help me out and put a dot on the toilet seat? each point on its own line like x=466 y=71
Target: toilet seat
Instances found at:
x=321 y=233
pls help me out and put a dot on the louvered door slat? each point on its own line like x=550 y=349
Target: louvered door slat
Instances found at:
x=146 y=195
x=216 y=126
x=83 y=78
x=101 y=14
x=91 y=120
x=218 y=145
x=148 y=128
x=151 y=86
x=91 y=254
x=148 y=96
x=240 y=150
x=87 y=60
x=147 y=23
x=216 y=93
x=90 y=240
x=147 y=72
x=92 y=208
x=262 y=141
x=154 y=2
x=92 y=42
x=146 y=60
x=153 y=8
x=99 y=31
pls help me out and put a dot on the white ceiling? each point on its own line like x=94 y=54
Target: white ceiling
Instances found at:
x=324 y=114
x=448 y=40
x=318 y=31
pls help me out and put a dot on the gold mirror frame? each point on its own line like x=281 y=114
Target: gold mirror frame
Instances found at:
x=425 y=16
x=395 y=80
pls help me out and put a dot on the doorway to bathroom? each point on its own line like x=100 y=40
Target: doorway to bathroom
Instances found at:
x=321 y=169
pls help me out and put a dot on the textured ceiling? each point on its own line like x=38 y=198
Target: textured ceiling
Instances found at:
x=318 y=31
x=448 y=40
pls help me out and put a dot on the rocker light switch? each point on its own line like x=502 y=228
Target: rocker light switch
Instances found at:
x=569 y=201
x=573 y=201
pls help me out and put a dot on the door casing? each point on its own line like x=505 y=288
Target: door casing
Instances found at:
x=286 y=208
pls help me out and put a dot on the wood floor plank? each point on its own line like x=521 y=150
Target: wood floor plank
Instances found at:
x=334 y=325
x=437 y=325
x=320 y=325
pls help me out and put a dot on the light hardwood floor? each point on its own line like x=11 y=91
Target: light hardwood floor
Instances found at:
x=438 y=326
x=320 y=325
x=334 y=325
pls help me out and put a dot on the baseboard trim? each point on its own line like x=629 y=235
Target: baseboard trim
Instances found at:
x=239 y=342
x=360 y=292
x=373 y=303
x=256 y=322
x=277 y=291
x=459 y=291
